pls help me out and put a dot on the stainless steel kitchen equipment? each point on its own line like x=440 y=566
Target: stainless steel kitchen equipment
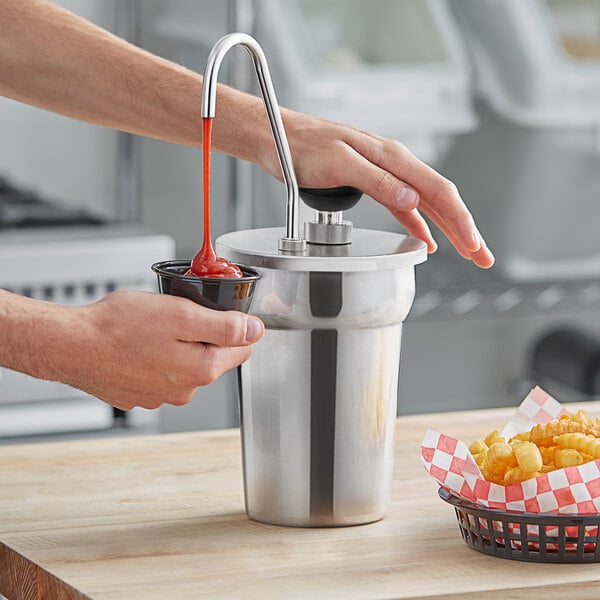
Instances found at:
x=318 y=396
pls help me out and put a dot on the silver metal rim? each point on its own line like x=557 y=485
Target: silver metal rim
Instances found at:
x=258 y=248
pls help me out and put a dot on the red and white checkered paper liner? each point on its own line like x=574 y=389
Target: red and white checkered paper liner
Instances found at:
x=573 y=491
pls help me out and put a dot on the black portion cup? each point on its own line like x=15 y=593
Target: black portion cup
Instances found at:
x=218 y=293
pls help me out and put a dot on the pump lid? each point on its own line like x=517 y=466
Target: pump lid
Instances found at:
x=369 y=251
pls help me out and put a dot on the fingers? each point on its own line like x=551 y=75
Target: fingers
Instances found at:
x=397 y=196
x=328 y=154
x=202 y=364
x=210 y=344
x=221 y=328
x=416 y=226
x=214 y=361
x=393 y=176
x=436 y=192
x=214 y=342
x=146 y=349
x=482 y=257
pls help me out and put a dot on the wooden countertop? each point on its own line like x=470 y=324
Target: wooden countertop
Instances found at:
x=162 y=517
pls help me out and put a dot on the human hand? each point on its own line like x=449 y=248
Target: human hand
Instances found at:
x=325 y=154
x=144 y=349
x=329 y=154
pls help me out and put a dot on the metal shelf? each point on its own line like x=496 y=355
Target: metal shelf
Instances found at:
x=449 y=287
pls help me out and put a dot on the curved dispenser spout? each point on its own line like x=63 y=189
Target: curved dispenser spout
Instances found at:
x=292 y=242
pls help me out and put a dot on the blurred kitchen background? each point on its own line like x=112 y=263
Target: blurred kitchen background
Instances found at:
x=502 y=96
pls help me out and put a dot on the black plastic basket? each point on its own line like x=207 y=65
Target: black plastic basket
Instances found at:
x=548 y=538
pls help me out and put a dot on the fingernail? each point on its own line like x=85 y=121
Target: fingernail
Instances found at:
x=254 y=329
x=476 y=240
x=407 y=198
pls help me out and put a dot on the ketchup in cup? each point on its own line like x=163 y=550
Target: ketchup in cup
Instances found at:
x=206 y=263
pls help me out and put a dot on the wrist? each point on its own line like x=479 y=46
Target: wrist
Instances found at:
x=241 y=129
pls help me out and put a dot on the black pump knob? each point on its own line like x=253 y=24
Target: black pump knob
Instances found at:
x=331 y=199
x=329 y=229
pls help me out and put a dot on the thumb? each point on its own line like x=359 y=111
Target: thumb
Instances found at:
x=222 y=328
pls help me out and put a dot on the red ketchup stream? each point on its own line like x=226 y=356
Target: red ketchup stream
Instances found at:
x=206 y=263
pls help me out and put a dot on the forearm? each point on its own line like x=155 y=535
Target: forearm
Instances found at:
x=36 y=337
x=52 y=59
x=55 y=60
x=109 y=350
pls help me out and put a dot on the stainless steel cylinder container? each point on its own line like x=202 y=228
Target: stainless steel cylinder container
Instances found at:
x=318 y=396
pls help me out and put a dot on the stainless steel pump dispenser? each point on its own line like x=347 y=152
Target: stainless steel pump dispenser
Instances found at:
x=318 y=396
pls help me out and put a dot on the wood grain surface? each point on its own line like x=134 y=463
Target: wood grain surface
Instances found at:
x=162 y=517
